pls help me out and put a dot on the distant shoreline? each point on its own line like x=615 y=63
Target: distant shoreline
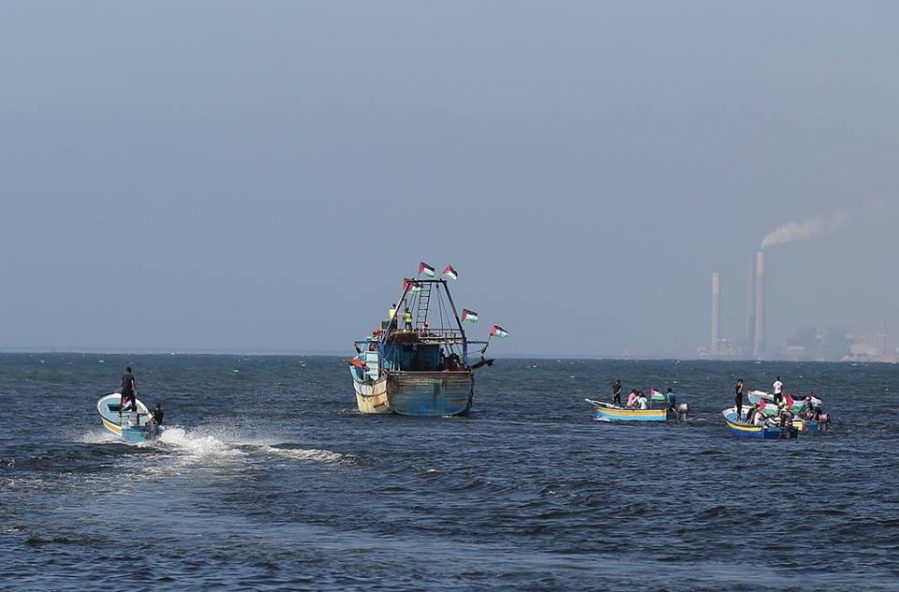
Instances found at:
x=332 y=354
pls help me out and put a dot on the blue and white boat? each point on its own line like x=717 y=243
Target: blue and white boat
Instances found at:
x=419 y=365
x=767 y=431
x=132 y=425
x=770 y=406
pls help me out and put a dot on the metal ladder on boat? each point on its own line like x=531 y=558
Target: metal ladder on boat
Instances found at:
x=424 y=301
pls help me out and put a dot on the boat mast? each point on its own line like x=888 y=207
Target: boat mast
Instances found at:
x=458 y=321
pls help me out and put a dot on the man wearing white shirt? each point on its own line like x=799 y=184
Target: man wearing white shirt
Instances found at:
x=778 y=389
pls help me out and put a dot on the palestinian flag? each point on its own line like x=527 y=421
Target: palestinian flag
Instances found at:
x=357 y=363
x=411 y=286
x=425 y=269
x=469 y=315
x=497 y=331
x=657 y=395
x=450 y=273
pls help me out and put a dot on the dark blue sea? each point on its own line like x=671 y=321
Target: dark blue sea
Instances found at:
x=269 y=479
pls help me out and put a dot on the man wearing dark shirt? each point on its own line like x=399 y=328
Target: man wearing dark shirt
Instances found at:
x=129 y=390
x=616 y=392
x=158 y=413
x=155 y=422
x=738 y=399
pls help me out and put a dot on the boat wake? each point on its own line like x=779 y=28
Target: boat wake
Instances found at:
x=197 y=443
x=312 y=454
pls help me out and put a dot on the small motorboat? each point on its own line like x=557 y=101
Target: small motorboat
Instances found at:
x=770 y=406
x=608 y=412
x=132 y=425
x=768 y=431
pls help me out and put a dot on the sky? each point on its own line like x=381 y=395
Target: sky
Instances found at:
x=237 y=176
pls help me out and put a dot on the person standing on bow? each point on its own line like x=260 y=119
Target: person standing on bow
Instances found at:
x=738 y=402
x=616 y=392
x=128 y=390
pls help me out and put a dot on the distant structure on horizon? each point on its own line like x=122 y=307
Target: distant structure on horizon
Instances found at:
x=716 y=315
x=759 y=344
x=749 y=336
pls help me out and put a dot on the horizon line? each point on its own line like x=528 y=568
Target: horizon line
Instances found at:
x=332 y=354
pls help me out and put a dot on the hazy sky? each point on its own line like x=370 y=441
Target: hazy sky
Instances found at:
x=259 y=176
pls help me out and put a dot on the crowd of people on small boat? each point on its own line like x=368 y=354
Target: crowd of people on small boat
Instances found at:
x=636 y=399
x=775 y=408
x=786 y=411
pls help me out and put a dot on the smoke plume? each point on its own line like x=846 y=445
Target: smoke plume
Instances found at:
x=795 y=231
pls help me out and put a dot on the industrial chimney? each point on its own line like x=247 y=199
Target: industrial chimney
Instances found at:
x=749 y=342
x=758 y=349
x=716 y=314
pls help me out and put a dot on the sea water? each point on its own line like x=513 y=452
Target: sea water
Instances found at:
x=268 y=478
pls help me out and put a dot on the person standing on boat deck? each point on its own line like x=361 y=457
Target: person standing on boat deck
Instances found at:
x=391 y=317
x=129 y=390
x=407 y=319
x=616 y=392
x=778 y=387
x=672 y=399
x=738 y=402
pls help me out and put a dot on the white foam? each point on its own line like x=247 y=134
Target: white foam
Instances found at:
x=197 y=443
x=314 y=454
x=98 y=436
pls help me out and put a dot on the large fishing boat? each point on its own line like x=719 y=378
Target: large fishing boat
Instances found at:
x=417 y=362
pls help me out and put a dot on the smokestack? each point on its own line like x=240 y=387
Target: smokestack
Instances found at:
x=716 y=313
x=749 y=344
x=758 y=348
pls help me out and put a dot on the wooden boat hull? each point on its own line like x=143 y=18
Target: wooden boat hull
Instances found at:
x=139 y=431
x=430 y=394
x=743 y=430
x=419 y=394
x=371 y=396
x=607 y=412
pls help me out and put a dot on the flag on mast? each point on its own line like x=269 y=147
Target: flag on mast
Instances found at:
x=469 y=316
x=497 y=331
x=411 y=286
x=425 y=269
x=450 y=273
x=657 y=395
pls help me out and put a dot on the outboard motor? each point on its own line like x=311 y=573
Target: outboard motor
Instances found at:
x=682 y=410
